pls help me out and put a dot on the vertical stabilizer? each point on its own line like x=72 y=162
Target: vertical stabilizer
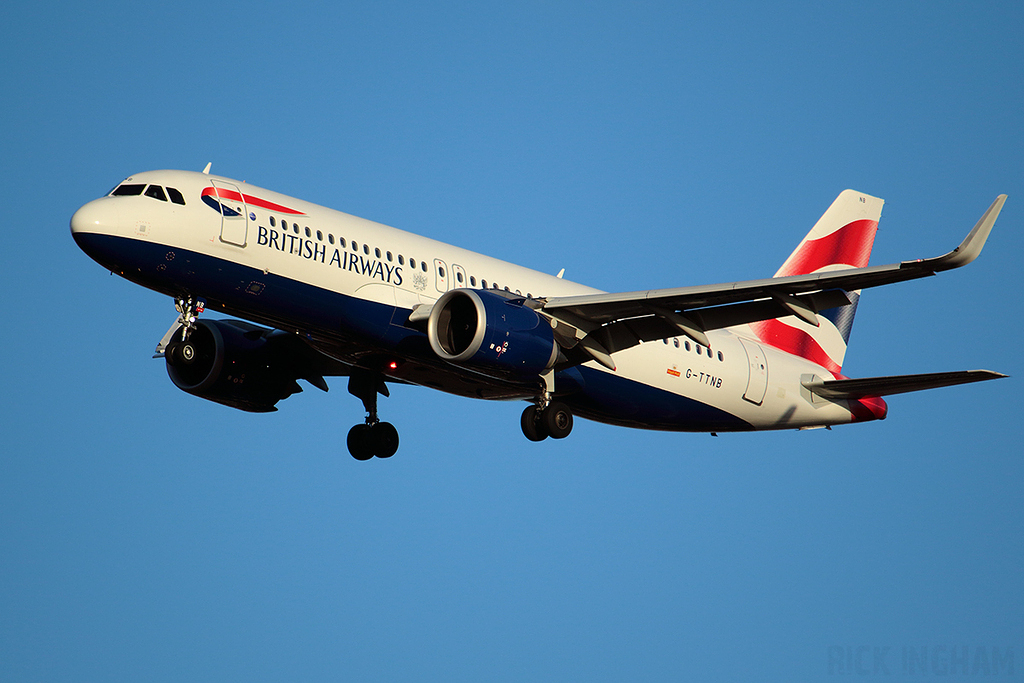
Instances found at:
x=842 y=238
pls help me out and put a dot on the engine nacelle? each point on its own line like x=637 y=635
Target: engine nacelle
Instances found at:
x=491 y=333
x=234 y=363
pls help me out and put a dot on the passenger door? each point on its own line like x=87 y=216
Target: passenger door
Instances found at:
x=234 y=220
x=757 y=381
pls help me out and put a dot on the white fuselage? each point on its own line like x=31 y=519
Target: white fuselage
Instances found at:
x=348 y=286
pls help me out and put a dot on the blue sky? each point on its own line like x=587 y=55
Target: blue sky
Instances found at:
x=147 y=534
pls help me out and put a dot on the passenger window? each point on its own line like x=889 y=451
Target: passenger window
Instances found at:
x=128 y=190
x=309 y=233
x=330 y=238
x=483 y=283
x=389 y=256
x=295 y=229
x=320 y=236
x=376 y=252
x=273 y=223
x=401 y=260
x=440 y=272
x=156 y=192
x=366 y=249
x=176 y=196
x=720 y=356
x=686 y=345
x=423 y=266
x=341 y=241
x=472 y=281
x=412 y=263
x=355 y=246
x=676 y=342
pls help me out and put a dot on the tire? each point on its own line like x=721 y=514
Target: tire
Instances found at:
x=172 y=354
x=360 y=442
x=385 y=439
x=533 y=428
x=557 y=419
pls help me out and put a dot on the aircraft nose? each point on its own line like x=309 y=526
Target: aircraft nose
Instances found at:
x=97 y=216
x=92 y=227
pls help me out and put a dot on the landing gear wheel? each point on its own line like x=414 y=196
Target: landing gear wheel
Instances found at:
x=180 y=353
x=385 y=439
x=533 y=427
x=360 y=442
x=173 y=353
x=557 y=420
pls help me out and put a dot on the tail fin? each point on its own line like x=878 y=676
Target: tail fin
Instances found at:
x=842 y=238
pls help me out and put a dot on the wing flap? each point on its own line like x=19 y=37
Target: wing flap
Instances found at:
x=622 y=334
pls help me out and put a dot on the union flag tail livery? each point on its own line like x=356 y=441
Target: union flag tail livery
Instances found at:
x=841 y=239
x=325 y=294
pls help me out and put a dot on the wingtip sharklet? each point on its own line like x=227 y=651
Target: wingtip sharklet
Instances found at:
x=971 y=247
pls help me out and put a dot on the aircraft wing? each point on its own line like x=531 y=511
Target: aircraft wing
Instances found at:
x=605 y=323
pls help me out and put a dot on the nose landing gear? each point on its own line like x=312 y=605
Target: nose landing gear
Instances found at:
x=373 y=438
x=189 y=309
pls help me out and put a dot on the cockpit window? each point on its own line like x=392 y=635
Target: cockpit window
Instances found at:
x=176 y=196
x=156 y=192
x=128 y=190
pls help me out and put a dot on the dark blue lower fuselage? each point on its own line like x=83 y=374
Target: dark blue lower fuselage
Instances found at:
x=354 y=330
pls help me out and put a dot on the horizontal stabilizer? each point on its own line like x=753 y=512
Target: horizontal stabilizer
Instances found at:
x=895 y=384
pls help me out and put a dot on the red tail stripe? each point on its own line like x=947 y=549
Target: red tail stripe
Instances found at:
x=249 y=199
x=868 y=408
x=850 y=245
x=793 y=341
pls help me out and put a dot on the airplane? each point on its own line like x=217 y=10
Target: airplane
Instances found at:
x=322 y=293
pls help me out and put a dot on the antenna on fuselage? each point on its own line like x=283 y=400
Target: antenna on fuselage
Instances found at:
x=560 y=273
x=206 y=170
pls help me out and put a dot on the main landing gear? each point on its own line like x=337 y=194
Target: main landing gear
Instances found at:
x=373 y=438
x=547 y=418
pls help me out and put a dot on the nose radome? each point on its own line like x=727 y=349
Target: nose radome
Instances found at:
x=98 y=216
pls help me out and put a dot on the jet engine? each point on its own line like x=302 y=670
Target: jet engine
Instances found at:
x=235 y=363
x=491 y=333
